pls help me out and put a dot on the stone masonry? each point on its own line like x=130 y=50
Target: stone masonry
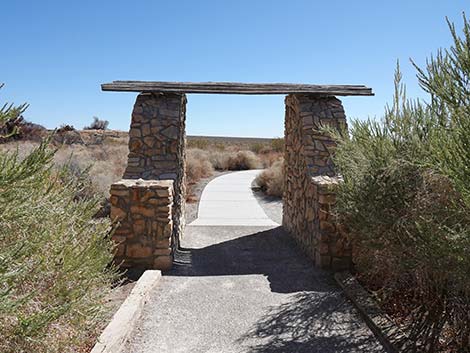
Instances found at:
x=144 y=212
x=149 y=201
x=156 y=153
x=310 y=179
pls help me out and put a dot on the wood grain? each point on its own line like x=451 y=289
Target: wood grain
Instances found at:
x=236 y=88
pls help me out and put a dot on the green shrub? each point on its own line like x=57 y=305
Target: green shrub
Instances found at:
x=54 y=257
x=405 y=199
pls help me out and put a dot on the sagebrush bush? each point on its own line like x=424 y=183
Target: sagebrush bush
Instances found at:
x=405 y=199
x=271 y=180
x=198 y=165
x=54 y=257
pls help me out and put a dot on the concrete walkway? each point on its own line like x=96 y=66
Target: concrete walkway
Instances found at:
x=247 y=289
x=229 y=201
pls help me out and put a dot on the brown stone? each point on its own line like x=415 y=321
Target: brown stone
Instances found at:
x=138 y=250
x=142 y=210
x=163 y=263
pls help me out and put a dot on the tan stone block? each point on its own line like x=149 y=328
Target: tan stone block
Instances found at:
x=122 y=193
x=139 y=226
x=162 y=252
x=327 y=199
x=135 y=132
x=310 y=214
x=163 y=243
x=163 y=192
x=163 y=263
x=327 y=227
x=117 y=214
x=138 y=250
x=114 y=200
x=142 y=210
x=146 y=130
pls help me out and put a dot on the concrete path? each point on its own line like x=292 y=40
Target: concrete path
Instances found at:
x=245 y=289
x=248 y=289
x=229 y=201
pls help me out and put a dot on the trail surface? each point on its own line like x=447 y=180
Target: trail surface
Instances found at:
x=246 y=288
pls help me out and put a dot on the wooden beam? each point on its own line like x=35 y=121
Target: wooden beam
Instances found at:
x=236 y=88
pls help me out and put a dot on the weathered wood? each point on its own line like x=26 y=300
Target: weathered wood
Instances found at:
x=236 y=88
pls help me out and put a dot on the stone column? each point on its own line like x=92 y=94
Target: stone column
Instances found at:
x=310 y=178
x=157 y=144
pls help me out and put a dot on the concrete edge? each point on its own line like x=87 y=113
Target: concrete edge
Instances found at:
x=386 y=331
x=116 y=334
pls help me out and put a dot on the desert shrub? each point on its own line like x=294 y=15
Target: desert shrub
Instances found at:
x=198 y=165
x=14 y=126
x=405 y=200
x=258 y=147
x=268 y=159
x=243 y=160
x=97 y=124
x=201 y=144
x=271 y=180
x=54 y=257
x=277 y=144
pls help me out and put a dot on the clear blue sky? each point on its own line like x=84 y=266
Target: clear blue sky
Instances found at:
x=55 y=54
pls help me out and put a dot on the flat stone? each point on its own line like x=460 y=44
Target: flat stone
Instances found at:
x=172 y=132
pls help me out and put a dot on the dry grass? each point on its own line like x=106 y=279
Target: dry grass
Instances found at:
x=105 y=162
x=104 y=154
x=271 y=180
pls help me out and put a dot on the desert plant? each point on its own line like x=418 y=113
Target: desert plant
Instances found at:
x=405 y=202
x=271 y=180
x=198 y=143
x=277 y=144
x=10 y=119
x=198 y=165
x=54 y=257
x=97 y=124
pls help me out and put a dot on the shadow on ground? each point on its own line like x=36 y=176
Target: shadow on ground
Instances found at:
x=269 y=252
x=311 y=322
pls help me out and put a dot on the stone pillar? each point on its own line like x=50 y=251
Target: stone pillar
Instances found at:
x=310 y=178
x=157 y=146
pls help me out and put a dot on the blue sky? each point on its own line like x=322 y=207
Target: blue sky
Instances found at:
x=55 y=54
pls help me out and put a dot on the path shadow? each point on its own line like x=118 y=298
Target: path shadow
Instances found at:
x=308 y=323
x=272 y=253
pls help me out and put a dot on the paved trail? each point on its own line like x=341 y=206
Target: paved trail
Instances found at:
x=229 y=201
x=247 y=289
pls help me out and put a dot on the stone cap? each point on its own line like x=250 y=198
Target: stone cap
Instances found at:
x=326 y=181
x=141 y=183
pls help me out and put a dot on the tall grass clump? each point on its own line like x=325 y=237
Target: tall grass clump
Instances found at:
x=406 y=202
x=54 y=257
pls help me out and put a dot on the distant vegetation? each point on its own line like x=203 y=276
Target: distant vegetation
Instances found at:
x=406 y=202
x=97 y=124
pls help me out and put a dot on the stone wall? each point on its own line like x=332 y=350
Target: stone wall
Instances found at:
x=144 y=212
x=310 y=178
x=157 y=146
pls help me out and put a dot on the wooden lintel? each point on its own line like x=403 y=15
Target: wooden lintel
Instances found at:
x=236 y=88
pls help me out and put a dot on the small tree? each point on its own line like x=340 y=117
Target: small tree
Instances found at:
x=97 y=124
